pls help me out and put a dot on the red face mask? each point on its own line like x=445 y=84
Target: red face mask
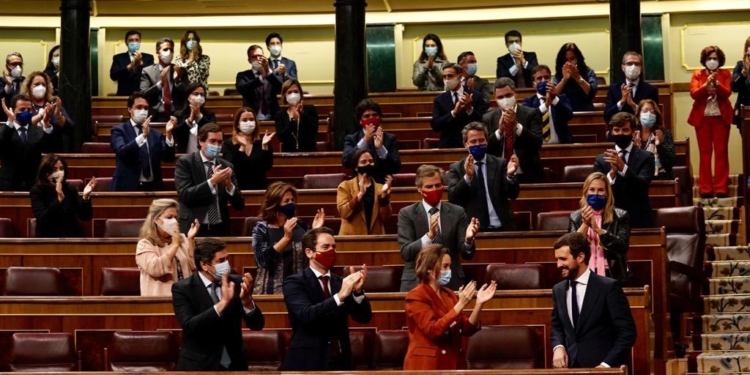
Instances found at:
x=433 y=197
x=326 y=258
x=371 y=121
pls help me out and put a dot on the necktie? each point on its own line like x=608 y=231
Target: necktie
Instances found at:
x=22 y=134
x=508 y=134
x=520 y=80
x=574 y=302
x=263 y=105
x=213 y=210
x=439 y=236
x=326 y=291
x=546 y=133
x=144 y=156
x=166 y=94
x=484 y=212
x=623 y=155
x=225 y=360
x=455 y=98
x=16 y=87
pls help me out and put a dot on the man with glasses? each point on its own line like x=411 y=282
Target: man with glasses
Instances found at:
x=257 y=86
x=10 y=82
x=625 y=96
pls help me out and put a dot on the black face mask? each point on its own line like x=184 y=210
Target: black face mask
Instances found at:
x=622 y=140
x=367 y=169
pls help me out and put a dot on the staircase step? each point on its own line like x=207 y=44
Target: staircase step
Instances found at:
x=734 y=179
x=722 y=226
x=729 y=285
x=726 y=341
x=731 y=191
x=726 y=304
x=724 y=362
x=726 y=323
x=715 y=202
x=729 y=239
x=721 y=213
x=729 y=269
x=728 y=253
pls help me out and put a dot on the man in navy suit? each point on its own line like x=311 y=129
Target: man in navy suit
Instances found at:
x=320 y=303
x=555 y=109
x=280 y=66
x=140 y=150
x=259 y=86
x=383 y=146
x=126 y=67
x=516 y=64
x=592 y=325
x=10 y=82
x=625 y=96
x=455 y=108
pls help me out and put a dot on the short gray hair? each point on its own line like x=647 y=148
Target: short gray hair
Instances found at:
x=503 y=82
x=631 y=53
x=17 y=54
x=428 y=170
x=474 y=125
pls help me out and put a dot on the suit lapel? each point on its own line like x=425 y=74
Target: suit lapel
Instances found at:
x=198 y=170
x=421 y=219
x=204 y=299
x=314 y=284
x=375 y=206
x=490 y=167
x=437 y=301
x=562 y=301
x=589 y=300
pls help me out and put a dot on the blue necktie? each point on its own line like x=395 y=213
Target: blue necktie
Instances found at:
x=144 y=156
x=22 y=134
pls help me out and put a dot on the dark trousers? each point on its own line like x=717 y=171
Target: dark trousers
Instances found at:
x=215 y=230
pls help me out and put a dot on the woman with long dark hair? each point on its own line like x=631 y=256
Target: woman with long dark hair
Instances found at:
x=574 y=78
x=428 y=69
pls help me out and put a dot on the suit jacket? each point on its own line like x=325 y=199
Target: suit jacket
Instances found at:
x=412 y=225
x=353 y=220
x=482 y=85
x=560 y=114
x=579 y=100
x=150 y=77
x=631 y=190
x=181 y=130
x=291 y=69
x=505 y=62
x=251 y=87
x=644 y=90
x=18 y=163
x=317 y=320
x=8 y=96
x=204 y=332
x=54 y=79
x=740 y=85
x=286 y=130
x=390 y=165
x=55 y=219
x=128 y=157
x=435 y=330
x=615 y=242
x=195 y=195
x=700 y=95
x=526 y=145
x=128 y=82
x=450 y=127
x=605 y=331
x=501 y=190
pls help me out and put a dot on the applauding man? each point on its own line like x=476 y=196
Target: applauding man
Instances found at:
x=127 y=66
x=625 y=96
x=383 y=146
x=455 y=108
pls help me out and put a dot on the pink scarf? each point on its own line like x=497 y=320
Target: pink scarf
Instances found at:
x=598 y=263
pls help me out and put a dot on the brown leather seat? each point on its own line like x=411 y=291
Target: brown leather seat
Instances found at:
x=228 y=92
x=577 y=173
x=77 y=183
x=107 y=118
x=250 y=222
x=601 y=81
x=43 y=352
x=102 y=183
x=504 y=347
x=134 y=351
x=322 y=181
x=169 y=184
x=33 y=281
x=404 y=179
x=555 y=220
x=121 y=281
x=380 y=279
x=322 y=146
x=6 y=228
x=265 y=349
x=390 y=349
x=31 y=227
x=224 y=117
x=122 y=227
x=515 y=276
x=686 y=184
x=409 y=144
x=430 y=143
x=361 y=344
x=96 y=148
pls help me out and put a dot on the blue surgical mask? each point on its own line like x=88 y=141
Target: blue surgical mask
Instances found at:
x=541 y=88
x=478 y=151
x=212 y=151
x=24 y=118
x=596 y=201
x=471 y=69
x=190 y=45
x=221 y=269
x=648 y=119
x=288 y=210
x=431 y=51
x=134 y=46
x=445 y=277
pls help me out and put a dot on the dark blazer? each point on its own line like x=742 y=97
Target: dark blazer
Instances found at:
x=250 y=170
x=291 y=69
x=560 y=114
x=181 y=132
x=740 y=85
x=60 y=132
x=250 y=86
x=195 y=194
x=412 y=225
x=505 y=62
x=605 y=331
x=317 y=320
x=526 y=146
x=450 y=127
x=631 y=190
x=390 y=165
x=644 y=90
x=286 y=130
x=204 y=332
x=501 y=190
x=615 y=242
x=53 y=79
x=128 y=82
x=55 y=219
x=19 y=163
x=128 y=157
x=482 y=85
x=150 y=77
x=15 y=91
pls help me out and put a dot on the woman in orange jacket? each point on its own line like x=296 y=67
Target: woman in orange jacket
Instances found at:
x=712 y=117
x=435 y=316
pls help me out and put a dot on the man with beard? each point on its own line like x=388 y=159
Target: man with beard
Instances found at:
x=592 y=325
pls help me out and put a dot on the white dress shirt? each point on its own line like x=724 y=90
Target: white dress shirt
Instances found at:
x=625 y=159
x=514 y=69
x=632 y=94
x=543 y=108
x=209 y=287
x=494 y=219
x=426 y=241
x=204 y=159
x=357 y=299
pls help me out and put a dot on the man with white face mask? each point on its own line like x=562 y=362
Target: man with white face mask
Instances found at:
x=625 y=96
x=257 y=86
x=10 y=82
x=470 y=79
x=164 y=85
x=127 y=66
x=456 y=107
x=281 y=66
x=517 y=64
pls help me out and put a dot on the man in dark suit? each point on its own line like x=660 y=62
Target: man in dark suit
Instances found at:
x=516 y=64
x=205 y=183
x=469 y=78
x=280 y=66
x=127 y=66
x=555 y=109
x=383 y=146
x=210 y=306
x=517 y=127
x=592 y=325
x=629 y=170
x=139 y=150
x=22 y=143
x=320 y=303
x=431 y=221
x=163 y=84
x=258 y=86
x=455 y=108
x=10 y=82
x=482 y=184
x=625 y=96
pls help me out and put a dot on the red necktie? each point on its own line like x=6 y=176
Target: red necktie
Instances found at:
x=326 y=291
x=508 y=134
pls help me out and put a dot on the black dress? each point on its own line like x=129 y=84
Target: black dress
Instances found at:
x=299 y=135
x=250 y=170
x=55 y=219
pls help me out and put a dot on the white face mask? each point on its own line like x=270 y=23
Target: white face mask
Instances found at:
x=257 y=65
x=56 y=61
x=293 y=98
x=247 y=127
x=166 y=56
x=712 y=64
x=632 y=72
x=275 y=50
x=513 y=47
x=506 y=103
x=139 y=116
x=39 y=91
x=16 y=72
x=451 y=84
x=53 y=177
x=169 y=226
x=198 y=99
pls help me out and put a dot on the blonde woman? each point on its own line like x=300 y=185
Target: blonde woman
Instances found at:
x=164 y=255
x=606 y=227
